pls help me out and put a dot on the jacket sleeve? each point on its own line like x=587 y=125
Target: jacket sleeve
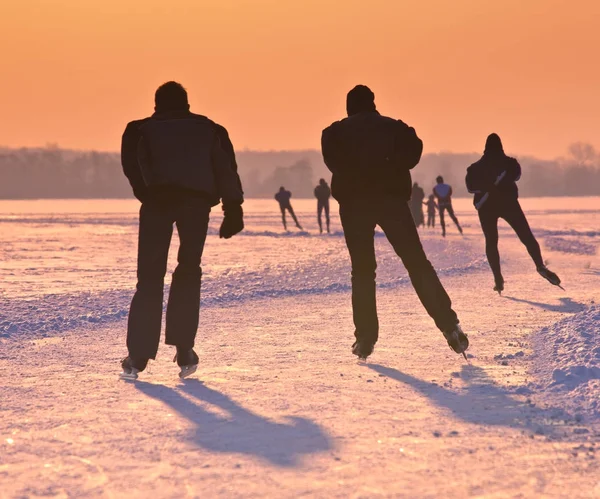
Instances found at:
x=228 y=181
x=227 y=146
x=474 y=181
x=513 y=170
x=330 y=150
x=408 y=146
x=129 y=160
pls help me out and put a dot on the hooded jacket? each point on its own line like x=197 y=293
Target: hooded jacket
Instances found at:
x=179 y=150
x=482 y=174
x=370 y=155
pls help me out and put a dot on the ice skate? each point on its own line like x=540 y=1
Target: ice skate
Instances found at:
x=187 y=360
x=499 y=286
x=457 y=340
x=362 y=349
x=550 y=276
x=131 y=368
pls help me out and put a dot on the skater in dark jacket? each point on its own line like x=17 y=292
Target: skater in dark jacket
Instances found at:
x=493 y=181
x=322 y=193
x=179 y=165
x=283 y=198
x=371 y=156
x=431 y=206
x=416 y=204
x=443 y=193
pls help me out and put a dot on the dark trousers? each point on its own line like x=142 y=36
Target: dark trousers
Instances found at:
x=394 y=217
x=450 y=214
x=431 y=219
x=190 y=215
x=323 y=205
x=288 y=207
x=510 y=211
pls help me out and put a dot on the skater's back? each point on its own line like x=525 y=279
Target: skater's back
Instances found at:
x=283 y=197
x=322 y=191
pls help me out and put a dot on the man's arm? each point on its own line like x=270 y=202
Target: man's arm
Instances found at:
x=409 y=147
x=227 y=147
x=329 y=149
x=229 y=185
x=129 y=160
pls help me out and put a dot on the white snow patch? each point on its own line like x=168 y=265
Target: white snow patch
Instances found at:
x=567 y=363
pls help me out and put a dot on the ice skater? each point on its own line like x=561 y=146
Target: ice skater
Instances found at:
x=443 y=193
x=179 y=165
x=416 y=204
x=322 y=193
x=493 y=181
x=371 y=156
x=283 y=198
x=431 y=207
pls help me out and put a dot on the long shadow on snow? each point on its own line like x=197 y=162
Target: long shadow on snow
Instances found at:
x=483 y=402
x=567 y=305
x=242 y=431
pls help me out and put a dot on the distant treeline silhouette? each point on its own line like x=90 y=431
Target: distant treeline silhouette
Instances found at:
x=51 y=172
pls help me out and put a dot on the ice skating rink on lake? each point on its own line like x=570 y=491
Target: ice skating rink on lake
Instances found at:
x=279 y=407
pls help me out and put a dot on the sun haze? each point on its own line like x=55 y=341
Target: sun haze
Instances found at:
x=276 y=72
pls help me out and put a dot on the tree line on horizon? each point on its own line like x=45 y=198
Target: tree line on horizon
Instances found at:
x=54 y=173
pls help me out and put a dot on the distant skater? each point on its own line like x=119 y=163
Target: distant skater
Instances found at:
x=283 y=198
x=322 y=193
x=431 y=206
x=179 y=165
x=371 y=156
x=416 y=204
x=443 y=193
x=493 y=180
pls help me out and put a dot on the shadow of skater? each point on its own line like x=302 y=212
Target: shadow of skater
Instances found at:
x=241 y=431
x=567 y=305
x=482 y=402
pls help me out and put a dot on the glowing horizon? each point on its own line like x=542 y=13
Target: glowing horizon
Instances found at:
x=277 y=72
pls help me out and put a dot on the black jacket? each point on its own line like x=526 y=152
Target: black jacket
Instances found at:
x=482 y=175
x=181 y=151
x=370 y=155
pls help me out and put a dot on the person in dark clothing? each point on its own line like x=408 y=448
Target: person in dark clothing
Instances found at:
x=179 y=165
x=443 y=193
x=283 y=198
x=431 y=206
x=493 y=181
x=322 y=193
x=371 y=156
x=416 y=204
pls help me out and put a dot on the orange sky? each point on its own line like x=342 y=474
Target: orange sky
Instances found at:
x=275 y=72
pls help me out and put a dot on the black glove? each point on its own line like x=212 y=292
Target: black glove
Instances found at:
x=233 y=221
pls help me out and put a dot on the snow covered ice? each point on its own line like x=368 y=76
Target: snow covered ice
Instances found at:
x=279 y=407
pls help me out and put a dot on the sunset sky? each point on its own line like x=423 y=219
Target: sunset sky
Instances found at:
x=275 y=72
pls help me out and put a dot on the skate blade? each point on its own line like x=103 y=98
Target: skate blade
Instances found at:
x=465 y=356
x=187 y=371
x=561 y=287
x=132 y=376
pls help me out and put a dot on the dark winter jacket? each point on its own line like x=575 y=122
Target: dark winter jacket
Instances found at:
x=322 y=193
x=370 y=155
x=482 y=175
x=182 y=152
x=283 y=198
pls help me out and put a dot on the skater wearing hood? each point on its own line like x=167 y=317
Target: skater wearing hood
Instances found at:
x=179 y=165
x=283 y=198
x=431 y=206
x=493 y=181
x=443 y=193
x=371 y=156
x=416 y=204
x=322 y=193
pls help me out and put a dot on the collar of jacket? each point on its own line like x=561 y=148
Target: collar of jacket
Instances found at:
x=374 y=111
x=166 y=115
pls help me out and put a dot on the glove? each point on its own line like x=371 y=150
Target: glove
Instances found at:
x=233 y=221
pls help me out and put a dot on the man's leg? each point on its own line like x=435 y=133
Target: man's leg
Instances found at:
x=326 y=206
x=291 y=210
x=145 y=314
x=489 y=225
x=283 y=217
x=319 y=214
x=358 y=223
x=399 y=227
x=183 y=308
x=454 y=219
x=442 y=221
x=515 y=217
